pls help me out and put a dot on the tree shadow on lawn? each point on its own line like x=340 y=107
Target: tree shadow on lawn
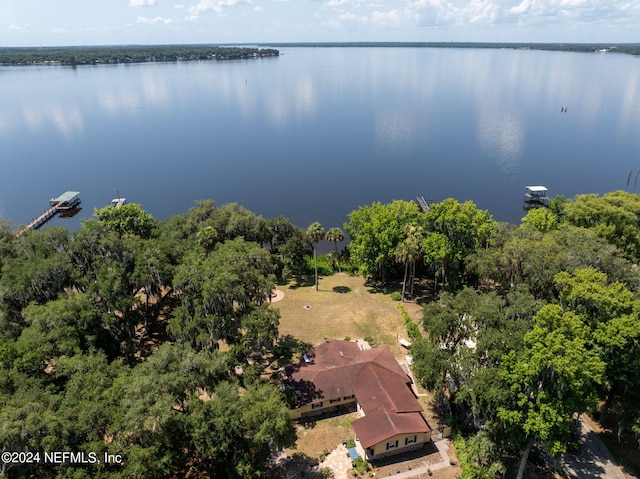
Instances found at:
x=297 y=345
x=299 y=465
x=379 y=287
x=302 y=281
x=423 y=290
x=341 y=289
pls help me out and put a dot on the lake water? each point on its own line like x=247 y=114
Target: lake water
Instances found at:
x=317 y=132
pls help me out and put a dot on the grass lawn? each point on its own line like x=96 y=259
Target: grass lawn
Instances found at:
x=323 y=435
x=343 y=306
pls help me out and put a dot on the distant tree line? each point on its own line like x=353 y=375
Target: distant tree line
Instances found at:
x=628 y=48
x=126 y=54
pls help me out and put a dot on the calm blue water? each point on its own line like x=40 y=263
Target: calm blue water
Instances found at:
x=319 y=131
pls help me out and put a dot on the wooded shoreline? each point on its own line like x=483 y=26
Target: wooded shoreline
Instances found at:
x=72 y=56
x=628 y=48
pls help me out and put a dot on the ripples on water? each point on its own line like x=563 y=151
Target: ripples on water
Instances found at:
x=319 y=131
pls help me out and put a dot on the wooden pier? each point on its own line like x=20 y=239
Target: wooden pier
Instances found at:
x=118 y=202
x=64 y=203
x=423 y=203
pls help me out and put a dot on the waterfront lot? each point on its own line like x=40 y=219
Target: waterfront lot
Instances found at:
x=343 y=307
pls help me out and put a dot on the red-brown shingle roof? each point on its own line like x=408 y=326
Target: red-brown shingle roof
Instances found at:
x=339 y=368
x=382 y=424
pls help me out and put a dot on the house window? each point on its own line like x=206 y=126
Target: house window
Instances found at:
x=410 y=440
x=346 y=398
x=331 y=401
x=392 y=445
x=317 y=405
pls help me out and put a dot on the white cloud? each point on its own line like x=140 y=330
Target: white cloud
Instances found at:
x=154 y=21
x=480 y=11
x=351 y=17
x=573 y=3
x=341 y=4
x=386 y=19
x=433 y=12
x=141 y=3
x=538 y=14
x=336 y=3
x=217 y=6
x=522 y=7
x=461 y=20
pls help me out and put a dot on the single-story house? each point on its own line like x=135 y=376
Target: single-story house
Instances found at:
x=340 y=373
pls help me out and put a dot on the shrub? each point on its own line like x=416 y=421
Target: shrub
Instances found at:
x=361 y=465
x=412 y=328
x=347 y=338
x=396 y=296
x=371 y=341
x=327 y=473
x=284 y=352
x=324 y=268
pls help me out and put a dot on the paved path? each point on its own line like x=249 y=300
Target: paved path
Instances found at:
x=276 y=295
x=339 y=462
x=594 y=460
x=443 y=449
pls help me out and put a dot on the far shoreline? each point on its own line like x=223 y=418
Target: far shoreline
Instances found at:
x=627 y=48
x=117 y=54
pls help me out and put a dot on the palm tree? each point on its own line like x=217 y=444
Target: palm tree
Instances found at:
x=336 y=235
x=315 y=233
x=409 y=252
x=207 y=238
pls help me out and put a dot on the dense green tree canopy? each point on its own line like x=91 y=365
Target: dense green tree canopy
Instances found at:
x=514 y=378
x=108 y=343
x=125 y=334
x=127 y=219
x=613 y=216
x=375 y=232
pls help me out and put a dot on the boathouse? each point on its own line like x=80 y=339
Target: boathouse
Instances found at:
x=535 y=197
x=65 y=205
x=66 y=201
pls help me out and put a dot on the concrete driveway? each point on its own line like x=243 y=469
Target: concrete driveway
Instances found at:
x=594 y=460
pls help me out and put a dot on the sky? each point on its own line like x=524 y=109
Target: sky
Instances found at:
x=117 y=22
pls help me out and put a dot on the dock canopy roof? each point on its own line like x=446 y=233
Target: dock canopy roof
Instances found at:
x=66 y=197
x=536 y=188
